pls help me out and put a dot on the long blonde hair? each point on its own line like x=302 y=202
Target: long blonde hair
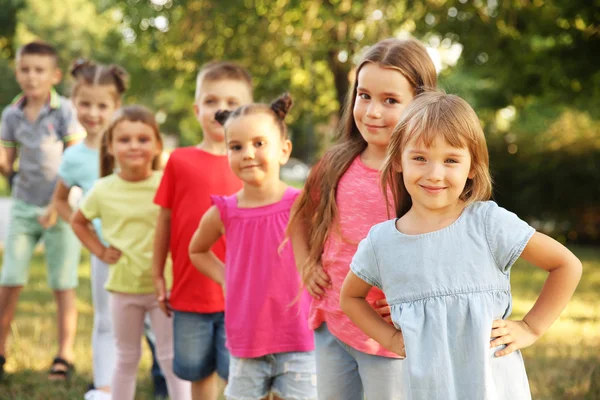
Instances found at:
x=430 y=115
x=316 y=209
x=131 y=113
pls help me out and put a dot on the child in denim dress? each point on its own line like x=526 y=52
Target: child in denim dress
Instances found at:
x=444 y=263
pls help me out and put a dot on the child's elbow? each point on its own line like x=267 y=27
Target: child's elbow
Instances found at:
x=345 y=303
x=577 y=268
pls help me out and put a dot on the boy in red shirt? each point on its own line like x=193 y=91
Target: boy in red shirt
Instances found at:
x=192 y=174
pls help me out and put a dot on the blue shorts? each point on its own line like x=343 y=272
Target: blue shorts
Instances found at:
x=290 y=376
x=61 y=247
x=199 y=345
x=349 y=374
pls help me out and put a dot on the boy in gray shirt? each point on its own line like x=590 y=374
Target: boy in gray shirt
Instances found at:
x=37 y=127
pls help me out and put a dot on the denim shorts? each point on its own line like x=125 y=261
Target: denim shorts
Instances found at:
x=199 y=345
x=290 y=376
x=61 y=247
x=349 y=374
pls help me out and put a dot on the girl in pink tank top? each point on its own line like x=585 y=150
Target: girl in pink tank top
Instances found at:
x=341 y=201
x=271 y=345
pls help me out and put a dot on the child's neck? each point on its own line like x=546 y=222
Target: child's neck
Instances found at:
x=135 y=174
x=261 y=195
x=216 y=148
x=33 y=106
x=373 y=156
x=419 y=220
x=93 y=141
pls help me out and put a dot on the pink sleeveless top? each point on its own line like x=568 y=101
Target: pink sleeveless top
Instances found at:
x=361 y=205
x=263 y=314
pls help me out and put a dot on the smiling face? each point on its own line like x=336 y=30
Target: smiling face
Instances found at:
x=222 y=94
x=36 y=75
x=134 y=146
x=95 y=105
x=255 y=148
x=381 y=97
x=435 y=176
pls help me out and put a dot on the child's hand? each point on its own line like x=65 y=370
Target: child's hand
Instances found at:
x=383 y=309
x=110 y=255
x=514 y=334
x=316 y=281
x=397 y=345
x=161 y=295
x=47 y=220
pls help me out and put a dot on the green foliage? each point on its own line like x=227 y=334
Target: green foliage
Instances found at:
x=529 y=68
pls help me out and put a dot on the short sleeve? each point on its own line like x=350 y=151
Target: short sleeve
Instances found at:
x=7 y=130
x=364 y=263
x=64 y=171
x=90 y=207
x=221 y=203
x=506 y=234
x=73 y=129
x=166 y=189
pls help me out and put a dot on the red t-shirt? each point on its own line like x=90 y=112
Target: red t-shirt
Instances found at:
x=190 y=177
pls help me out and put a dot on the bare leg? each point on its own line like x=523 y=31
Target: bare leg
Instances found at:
x=66 y=313
x=9 y=296
x=206 y=389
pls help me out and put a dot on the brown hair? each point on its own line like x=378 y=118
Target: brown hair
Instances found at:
x=278 y=109
x=87 y=72
x=38 y=48
x=133 y=113
x=222 y=70
x=316 y=209
x=428 y=116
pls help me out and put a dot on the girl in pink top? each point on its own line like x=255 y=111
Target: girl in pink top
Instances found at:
x=271 y=346
x=341 y=201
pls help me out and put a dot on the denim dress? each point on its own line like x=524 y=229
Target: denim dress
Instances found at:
x=445 y=289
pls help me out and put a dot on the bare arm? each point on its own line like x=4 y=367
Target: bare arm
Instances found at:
x=564 y=275
x=60 y=200
x=59 y=205
x=8 y=156
x=314 y=278
x=162 y=239
x=210 y=230
x=354 y=304
x=90 y=239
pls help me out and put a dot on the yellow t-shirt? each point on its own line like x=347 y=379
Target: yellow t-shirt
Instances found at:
x=128 y=216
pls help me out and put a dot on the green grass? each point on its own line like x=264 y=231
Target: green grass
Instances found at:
x=32 y=345
x=561 y=363
x=559 y=366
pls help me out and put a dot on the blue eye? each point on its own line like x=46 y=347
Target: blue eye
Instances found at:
x=364 y=96
x=419 y=158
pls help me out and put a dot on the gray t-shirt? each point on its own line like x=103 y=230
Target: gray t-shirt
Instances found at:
x=445 y=288
x=40 y=145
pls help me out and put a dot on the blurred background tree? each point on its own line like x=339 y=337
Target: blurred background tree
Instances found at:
x=529 y=68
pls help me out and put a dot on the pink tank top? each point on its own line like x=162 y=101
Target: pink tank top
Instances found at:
x=263 y=314
x=361 y=205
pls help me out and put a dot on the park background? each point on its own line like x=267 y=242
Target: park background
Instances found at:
x=528 y=67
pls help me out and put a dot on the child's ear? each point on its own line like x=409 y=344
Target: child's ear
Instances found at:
x=109 y=149
x=471 y=174
x=56 y=76
x=196 y=110
x=286 y=151
x=397 y=165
